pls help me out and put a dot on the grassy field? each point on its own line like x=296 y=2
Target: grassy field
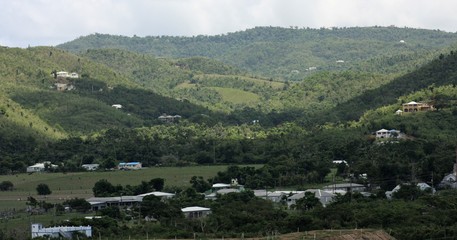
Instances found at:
x=261 y=82
x=71 y=185
x=236 y=96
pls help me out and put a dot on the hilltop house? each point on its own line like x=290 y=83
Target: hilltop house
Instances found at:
x=63 y=74
x=116 y=106
x=169 y=118
x=384 y=133
x=417 y=107
x=38 y=230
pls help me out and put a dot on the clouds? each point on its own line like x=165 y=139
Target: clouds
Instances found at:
x=50 y=22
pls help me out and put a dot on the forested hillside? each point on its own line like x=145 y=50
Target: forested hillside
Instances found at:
x=291 y=53
x=29 y=97
x=202 y=81
x=219 y=109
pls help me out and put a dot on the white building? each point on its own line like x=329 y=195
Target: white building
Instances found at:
x=344 y=187
x=158 y=194
x=40 y=167
x=116 y=106
x=450 y=180
x=58 y=232
x=196 y=212
x=422 y=186
x=73 y=75
x=90 y=167
x=169 y=118
x=130 y=166
x=62 y=74
x=324 y=197
x=224 y=188
x=384 y=133
x=98 y=203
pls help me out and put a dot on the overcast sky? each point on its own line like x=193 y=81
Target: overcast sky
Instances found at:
x=51 y=22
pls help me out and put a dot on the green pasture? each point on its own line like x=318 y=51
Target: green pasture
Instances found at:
x=261 y=82
x=79 y=184
x=236 y=96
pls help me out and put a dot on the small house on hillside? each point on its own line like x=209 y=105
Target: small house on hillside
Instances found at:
x=73 y=75
x=169 y=118
x=62 y=84
x=450 y=180
x=116 y=106
x=62 y=74
x=417 y=107
x=384 y=133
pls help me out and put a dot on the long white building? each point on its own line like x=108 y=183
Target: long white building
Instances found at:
x=62 y=231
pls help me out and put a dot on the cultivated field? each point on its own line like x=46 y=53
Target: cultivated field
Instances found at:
x=71 y=185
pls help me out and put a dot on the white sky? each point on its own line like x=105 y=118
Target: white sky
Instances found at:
x=51 y=22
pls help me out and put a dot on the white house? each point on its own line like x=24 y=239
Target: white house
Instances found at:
x=58 y=232
x=40 y=167
x=130 y=166
x=98 y=203
x=195 y=212
x=62 y=74
x=73 y=75
x=169 y=118
x=158 y=194
x=384 y=133
x=422 y=186
x=340 y=161
x=224 y=188
x=90 y=167
x=450 y=180
x=275 y=196
x=324 y=197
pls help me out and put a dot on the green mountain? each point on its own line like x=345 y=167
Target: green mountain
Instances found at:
x=29 y=98
x=202 y=81
x=439 y=72
x=291 y=53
